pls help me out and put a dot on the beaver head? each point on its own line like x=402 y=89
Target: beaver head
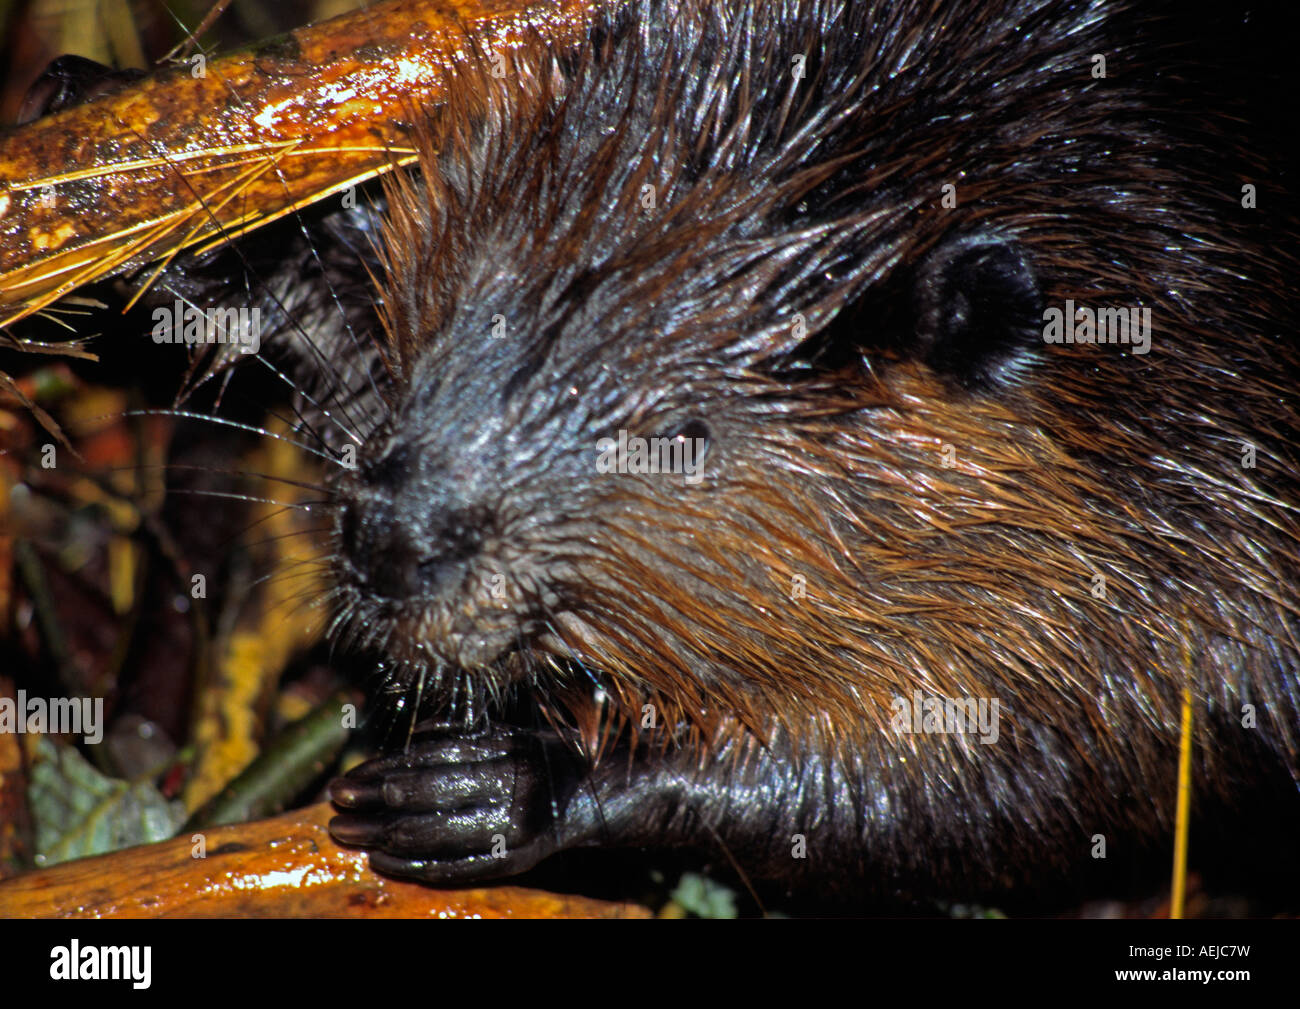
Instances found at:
x=809 y=264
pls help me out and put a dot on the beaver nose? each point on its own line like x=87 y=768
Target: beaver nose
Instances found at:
x=397 y=556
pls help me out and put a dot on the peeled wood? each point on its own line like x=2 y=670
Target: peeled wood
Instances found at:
x=284 y=867
x=177 y=160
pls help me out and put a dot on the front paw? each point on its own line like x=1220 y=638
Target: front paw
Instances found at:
x=456 y=808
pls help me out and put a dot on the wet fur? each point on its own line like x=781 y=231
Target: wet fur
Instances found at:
x=783 y=291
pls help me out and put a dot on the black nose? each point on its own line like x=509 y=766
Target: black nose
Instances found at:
x=398 y=554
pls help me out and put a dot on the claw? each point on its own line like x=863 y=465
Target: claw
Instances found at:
x=358 y=831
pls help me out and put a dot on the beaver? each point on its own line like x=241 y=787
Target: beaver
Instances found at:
x=747 y=401
x=840 y=435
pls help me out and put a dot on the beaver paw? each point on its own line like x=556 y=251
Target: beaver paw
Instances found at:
x=457 y=808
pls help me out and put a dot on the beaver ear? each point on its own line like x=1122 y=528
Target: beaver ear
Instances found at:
x=978 y=310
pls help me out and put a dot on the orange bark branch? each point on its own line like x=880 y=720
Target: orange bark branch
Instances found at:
x=286 y=866
x=177 y=160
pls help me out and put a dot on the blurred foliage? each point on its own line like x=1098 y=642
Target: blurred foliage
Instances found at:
x=80 y=812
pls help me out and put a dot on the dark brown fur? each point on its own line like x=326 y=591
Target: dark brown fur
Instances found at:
x=948 y=522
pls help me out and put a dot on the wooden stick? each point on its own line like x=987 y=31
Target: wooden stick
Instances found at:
x=201 y=152
x=284 y=867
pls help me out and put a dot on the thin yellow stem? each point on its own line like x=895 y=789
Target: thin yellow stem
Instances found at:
x=1178 y=899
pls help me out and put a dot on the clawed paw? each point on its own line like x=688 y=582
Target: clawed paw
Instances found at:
x=457 y=808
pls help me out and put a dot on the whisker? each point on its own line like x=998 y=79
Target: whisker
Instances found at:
x=352 y=433
x=232 y=496
x=188 y=389
x=327 y=366
x=225 y=236
x=191 y=467
x=343 y=315
x=279 y=537
x=226 y=422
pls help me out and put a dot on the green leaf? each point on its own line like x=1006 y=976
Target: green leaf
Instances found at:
x=80 y=812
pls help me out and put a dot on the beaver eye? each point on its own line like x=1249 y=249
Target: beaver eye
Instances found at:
x=696 y=431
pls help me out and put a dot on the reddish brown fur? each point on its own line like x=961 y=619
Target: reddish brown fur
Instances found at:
x=966 y=580
x=972 y=580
